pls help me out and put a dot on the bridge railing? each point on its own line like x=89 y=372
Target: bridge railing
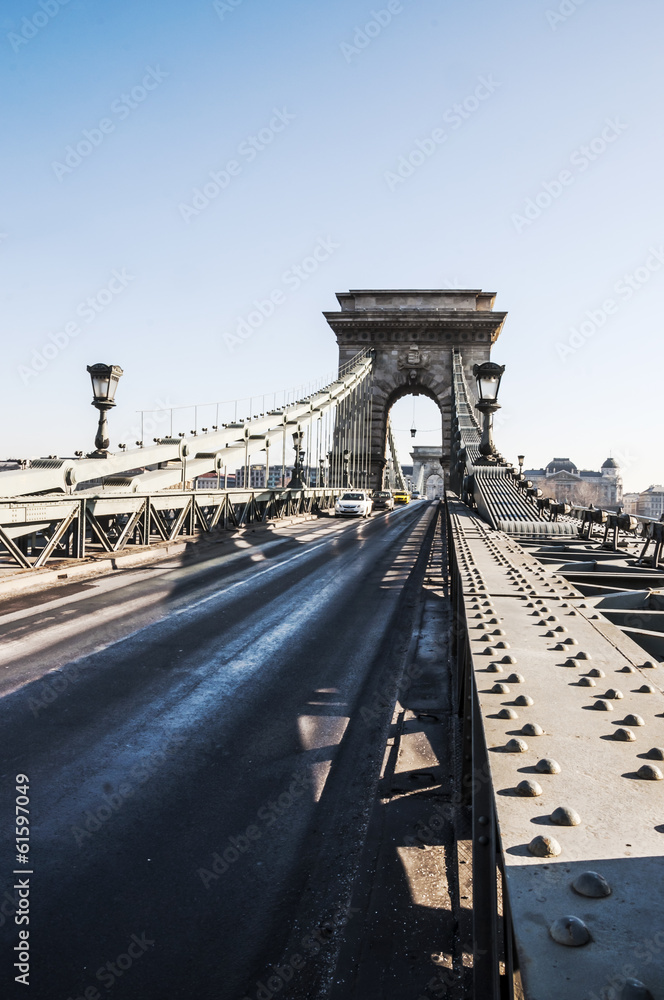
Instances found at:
x=615 y=525
x=34 y=530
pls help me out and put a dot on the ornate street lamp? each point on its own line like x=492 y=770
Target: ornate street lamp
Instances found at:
x=413 y=430
x=296 y=479
x=105 y=380
x=488 y=376
x=520 y=459
x=321 y=463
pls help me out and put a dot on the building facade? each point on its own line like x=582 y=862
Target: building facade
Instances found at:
x=562 y=480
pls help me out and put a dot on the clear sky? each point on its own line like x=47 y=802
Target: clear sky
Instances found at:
x=547 y=190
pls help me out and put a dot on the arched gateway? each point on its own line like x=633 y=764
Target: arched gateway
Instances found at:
x=413 y=334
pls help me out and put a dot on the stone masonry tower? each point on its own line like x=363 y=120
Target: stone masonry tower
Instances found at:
x=413 y=334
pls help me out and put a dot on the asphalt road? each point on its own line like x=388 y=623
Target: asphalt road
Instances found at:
x=202 y=746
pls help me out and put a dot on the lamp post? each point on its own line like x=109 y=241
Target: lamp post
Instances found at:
x=488 y=376
x=520 y=459
x=105 y=380
x=321 y=465
x=346 y=463
x=296 y=479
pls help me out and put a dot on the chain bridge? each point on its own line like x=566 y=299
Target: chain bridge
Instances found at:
x=418 y=754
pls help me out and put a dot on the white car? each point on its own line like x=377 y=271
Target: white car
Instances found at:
x=353 y=503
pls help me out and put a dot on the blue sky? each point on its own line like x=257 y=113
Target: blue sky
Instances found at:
x=549 y=193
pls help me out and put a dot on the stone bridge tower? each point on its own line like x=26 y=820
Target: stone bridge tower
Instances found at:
x=413 y=334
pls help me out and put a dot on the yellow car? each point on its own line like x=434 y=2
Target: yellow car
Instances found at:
x=401 y=497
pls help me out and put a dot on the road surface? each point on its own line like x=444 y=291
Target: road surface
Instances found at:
x=203 y=745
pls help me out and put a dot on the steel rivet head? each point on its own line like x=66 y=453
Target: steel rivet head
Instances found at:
x=502 y=645
x=561 y=628
x=528 y=788
x=634 y=989
x=647 y=689
x=483 y=840
x=588 y=682
x=545 y=847
x=507 y=713
x=634 y=720
x=494 y=668
x=628 y=669
x=603 y=706
x=508 y=659
x=596 y=672
x=649 y=665
x=500 y=689
x=524 y=699
x=582 y=655
x=591 y=884
x=516 y=679
x=570 y=641
x=570 y=931
x=614 y=693
x=483 y=820
x=560 y=647
x=532 y=729
x=657 y=753
x=516 y=746
x=624 y=735
x=564 y=816
x=650 y=773
x=570 y=661
x=489 y=651
x=548 y=766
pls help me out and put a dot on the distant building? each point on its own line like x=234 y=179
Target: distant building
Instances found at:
x=562 y=480
x=631 y=503
x=650 y=503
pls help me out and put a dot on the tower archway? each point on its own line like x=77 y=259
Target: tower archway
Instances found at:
x=412 y=335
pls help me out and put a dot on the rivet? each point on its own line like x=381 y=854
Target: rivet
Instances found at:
x=564 y=816
x=489 y=651
x=500 y=689
x=591 y=884
x=587 y=682
x=647 y=689
x=570 y=931
x=548 y=766
x=624 y=735
x=516 y=746
x=561 y=647
x=650 y=773
x=483 y=840
x=502 y=645
x=532 y=729
x=561 y=628
x=603 y=706
x=570 y=641
x=649 y=665
x=634 y=720
x=596 y=672
x=570 y=661
x=516 y=679
x=494 y=668
x=657 y=753
x=582 y=655
x=614 y=693
x=628 y=669
x=549 y=635
x=507 y=713
x=545 y=847
x=634 y=989
x=528 y=788
x=524 y=699
x=508 y=659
